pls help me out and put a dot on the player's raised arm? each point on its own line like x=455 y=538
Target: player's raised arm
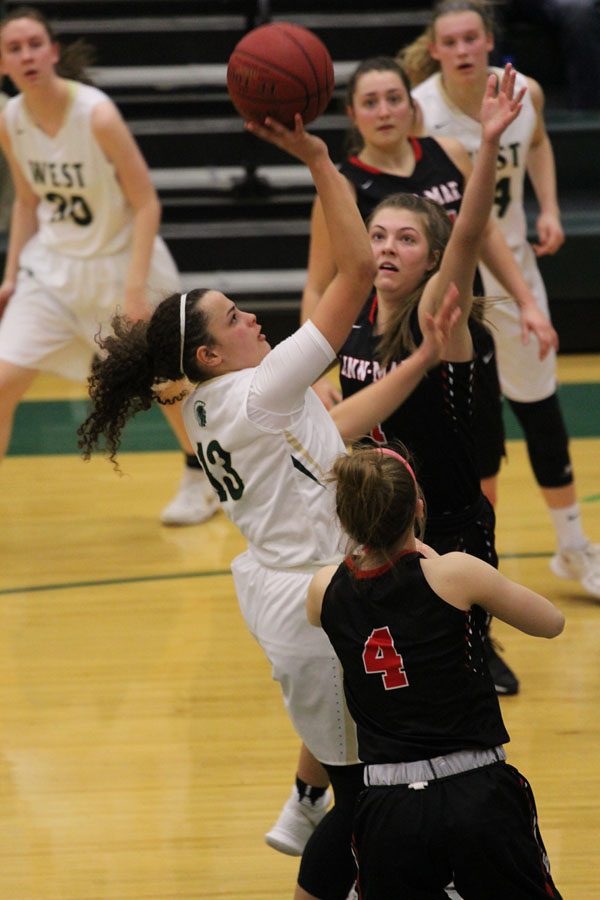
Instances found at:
x=344 y=296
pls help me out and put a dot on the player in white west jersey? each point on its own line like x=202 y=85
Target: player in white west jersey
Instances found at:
x=449 y=65
x=524 y=377
x=266 y=443
x=83 y=236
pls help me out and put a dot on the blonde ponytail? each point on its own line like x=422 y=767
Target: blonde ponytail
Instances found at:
x=416 y=60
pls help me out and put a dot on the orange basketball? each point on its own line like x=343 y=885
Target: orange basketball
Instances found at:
x=279 y=70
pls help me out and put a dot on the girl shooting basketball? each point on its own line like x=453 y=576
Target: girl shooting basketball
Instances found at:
x=266 y=442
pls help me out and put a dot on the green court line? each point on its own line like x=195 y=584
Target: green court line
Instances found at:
x=140 y=579
x=106 y=582
x=45 y=427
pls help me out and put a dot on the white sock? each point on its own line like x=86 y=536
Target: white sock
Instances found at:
x=567 y=524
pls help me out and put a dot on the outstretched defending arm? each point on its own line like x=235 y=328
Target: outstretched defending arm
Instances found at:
x=499 y=108
x=358 y=414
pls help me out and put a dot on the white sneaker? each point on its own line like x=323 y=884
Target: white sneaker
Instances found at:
x=297 y=821
x=580 y=565
x=194 y=501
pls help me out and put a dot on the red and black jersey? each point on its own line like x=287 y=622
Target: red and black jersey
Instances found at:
x=435 y=176
x=434 y=422
x=415 y=680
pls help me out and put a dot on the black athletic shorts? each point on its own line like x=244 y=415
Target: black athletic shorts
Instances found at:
x=478 y=829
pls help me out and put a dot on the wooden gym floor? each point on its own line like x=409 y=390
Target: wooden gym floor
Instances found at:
x=144 y=748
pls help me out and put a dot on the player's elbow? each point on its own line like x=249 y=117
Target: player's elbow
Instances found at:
x=365 y=271
x=556 y=624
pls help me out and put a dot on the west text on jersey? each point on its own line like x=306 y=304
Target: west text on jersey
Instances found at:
x=63 y=175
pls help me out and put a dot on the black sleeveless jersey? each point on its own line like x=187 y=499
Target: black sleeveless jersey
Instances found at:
x=415 y=680
x=435 y=176
x=434 y=422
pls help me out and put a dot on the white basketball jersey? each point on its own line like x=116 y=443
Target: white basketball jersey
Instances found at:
x=442 y=118
x=82 y=210
x=268 y=468
x=522 y=375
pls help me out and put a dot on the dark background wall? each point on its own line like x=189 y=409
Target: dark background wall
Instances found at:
x=235 y=212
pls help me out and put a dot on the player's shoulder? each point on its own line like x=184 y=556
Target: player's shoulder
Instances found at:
x=323 y=578
x=87 y=94
x=428 y=87
x=11 y=106
x=455 y=150
x=92 y=106
x=103 y=112
x=535 y=91
x=456 y=565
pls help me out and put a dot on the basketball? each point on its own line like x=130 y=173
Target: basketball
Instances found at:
x=279 y=70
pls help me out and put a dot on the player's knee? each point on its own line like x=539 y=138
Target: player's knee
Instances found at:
x=547 y=440
x=14 y=381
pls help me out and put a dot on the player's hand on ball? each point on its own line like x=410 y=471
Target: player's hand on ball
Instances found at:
x=297 y=142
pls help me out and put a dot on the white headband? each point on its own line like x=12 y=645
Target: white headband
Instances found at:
x=182 y=330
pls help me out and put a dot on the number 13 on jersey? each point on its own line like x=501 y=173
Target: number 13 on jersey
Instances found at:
x=380 y=657
x=228 y=485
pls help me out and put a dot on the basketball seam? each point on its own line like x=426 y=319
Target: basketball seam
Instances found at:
x=292 y=38
x=275 y=68
x=319 y=94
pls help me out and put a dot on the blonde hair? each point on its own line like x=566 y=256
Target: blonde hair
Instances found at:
x=415 y=58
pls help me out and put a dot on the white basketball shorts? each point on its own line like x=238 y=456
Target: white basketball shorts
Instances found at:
x=273 y=604
x=60 y=304
x=523 y=376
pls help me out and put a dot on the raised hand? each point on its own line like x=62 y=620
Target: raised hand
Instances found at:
x=296 y=141
x=500 y=106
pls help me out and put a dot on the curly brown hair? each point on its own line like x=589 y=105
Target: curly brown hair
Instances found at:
x=135 y=360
